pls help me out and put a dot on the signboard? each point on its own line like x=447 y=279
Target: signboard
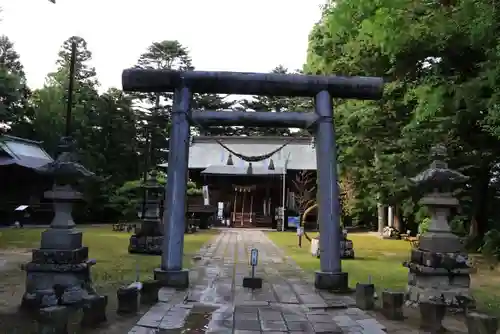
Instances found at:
x=254 y=257
x=206 y=199
x=293 y=221
x=220 y=210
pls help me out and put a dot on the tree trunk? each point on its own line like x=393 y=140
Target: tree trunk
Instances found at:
x=398 y=223
x=480 y=201
x=382 y=217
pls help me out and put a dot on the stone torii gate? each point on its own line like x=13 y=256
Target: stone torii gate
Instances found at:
x=321 y=88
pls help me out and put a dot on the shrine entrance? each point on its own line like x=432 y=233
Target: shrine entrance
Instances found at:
x=243 y=214
x=321 y=88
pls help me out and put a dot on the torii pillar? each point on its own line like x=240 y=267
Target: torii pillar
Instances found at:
x=321 y=88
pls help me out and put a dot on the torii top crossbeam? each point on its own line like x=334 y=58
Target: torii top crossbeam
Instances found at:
x=245 y=83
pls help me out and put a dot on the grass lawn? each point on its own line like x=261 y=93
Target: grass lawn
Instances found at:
x=382 y=261
x=114 y=268
x=110 y=249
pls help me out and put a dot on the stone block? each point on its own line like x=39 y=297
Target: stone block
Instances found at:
x=252 y=282
x=440 y=243
x=128 y=300
x=392 y=305
x=145 y=244
x=39 y=299
x=432 y=282
x=149 y=292
x=365 y=294
x=94 y=311
x=460 y=281
x=412 y=279
x=431 y=316
x=416 y=256
x=54 y=256
x=337 y=282
x=53 y=320
x=172 y=278
x=61 y=239
x=480 y=323
x=432 y=259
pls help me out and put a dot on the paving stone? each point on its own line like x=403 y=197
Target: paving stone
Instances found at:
x=270 y=316
x=345 y=321
x=370 y=323
x=300 y=326
x=287 y=302
x=327 y=328
x=142 y=330
x=273 y=326
x=249 y=325
x=294 y=317
x=320 y=318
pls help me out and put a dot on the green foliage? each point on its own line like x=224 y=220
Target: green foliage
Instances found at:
x=424 y=225
x=440 y=64
x=127 y=199
x=491 y=245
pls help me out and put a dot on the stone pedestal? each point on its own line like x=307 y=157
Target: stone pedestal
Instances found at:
x=435 y=275
x=172 y=278
x=59 y=272
x=148 y=239
x=53 y=320
x=479 y=323
x=438 y=269
x=392 y=305
x=149 y=292
x=145 y=244
x=252 y=283
x=365 y=296
x=346 y=248
x=336 y=282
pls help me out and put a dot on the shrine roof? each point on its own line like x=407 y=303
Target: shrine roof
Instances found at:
x=298 y=154
x=22 y=152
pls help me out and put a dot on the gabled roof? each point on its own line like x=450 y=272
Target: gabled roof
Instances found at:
x=299 y=154
x=22 y=152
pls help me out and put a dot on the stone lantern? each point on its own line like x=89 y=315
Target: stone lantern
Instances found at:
x=438 y=268
x=59 y=272
x=149 y=237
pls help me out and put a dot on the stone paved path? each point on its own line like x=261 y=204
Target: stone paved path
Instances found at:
x=216 y=302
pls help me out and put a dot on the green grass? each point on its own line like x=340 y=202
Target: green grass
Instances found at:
x=110 y=250
x=114 y=268
x=382 y=261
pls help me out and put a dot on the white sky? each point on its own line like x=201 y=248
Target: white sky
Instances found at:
x=237 y=35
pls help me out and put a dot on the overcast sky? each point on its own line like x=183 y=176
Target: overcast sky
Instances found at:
x=238 y=35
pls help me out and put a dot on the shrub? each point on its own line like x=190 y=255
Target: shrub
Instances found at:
x=491 y=245
x=424 y=225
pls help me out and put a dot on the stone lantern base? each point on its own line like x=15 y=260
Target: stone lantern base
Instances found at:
x=434 y=276
x=59 y=272
x=148 y=239
x=56 y=275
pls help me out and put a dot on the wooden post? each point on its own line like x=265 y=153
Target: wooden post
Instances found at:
x=234 y=205
x=242 y=207
x=251 y=206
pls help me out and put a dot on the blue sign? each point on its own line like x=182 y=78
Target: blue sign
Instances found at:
x=254 y=257
x=294 y=221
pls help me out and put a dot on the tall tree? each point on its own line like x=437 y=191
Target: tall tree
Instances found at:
x=154 y=114
x=275 y=104
x=440 y=61
x=14 y=92
x=50 y=101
